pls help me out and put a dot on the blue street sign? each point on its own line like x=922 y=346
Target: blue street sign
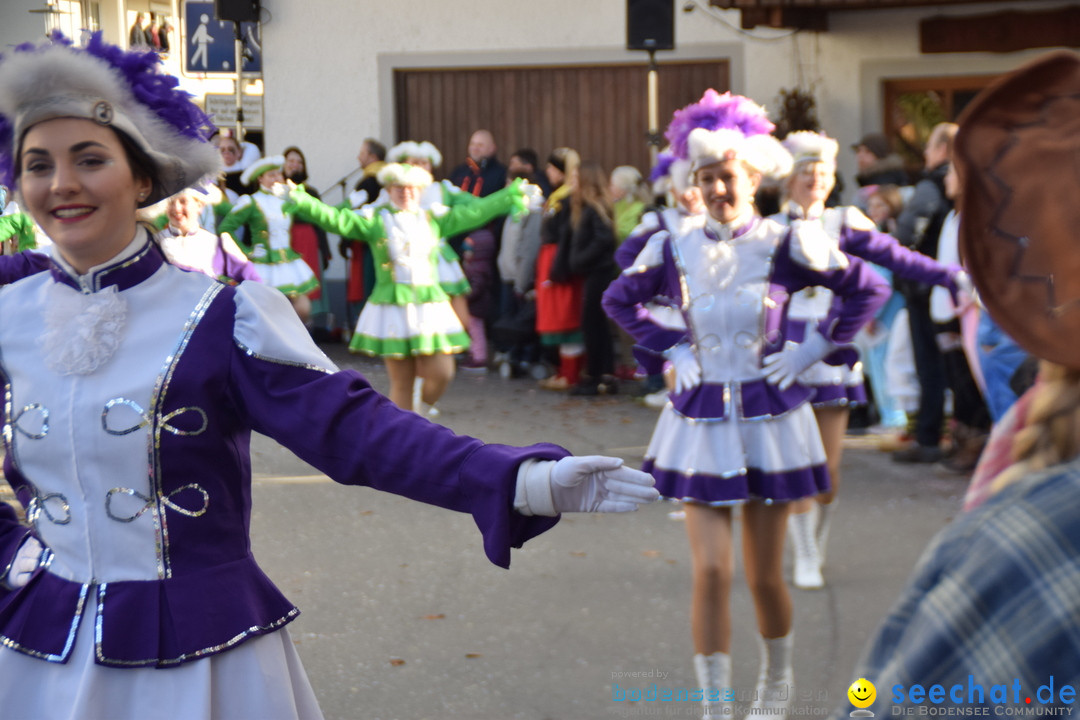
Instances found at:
x=209 y=43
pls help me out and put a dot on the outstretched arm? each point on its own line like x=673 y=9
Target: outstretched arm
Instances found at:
x=859 y=237
x=338 y=220
x=466 y=216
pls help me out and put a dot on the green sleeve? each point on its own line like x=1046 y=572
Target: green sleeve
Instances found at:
x=20 y=227
x=464 y=217
x=338 y=220
x=454 y=196
x=222 y=209
x=627 y=217
x=239 y=215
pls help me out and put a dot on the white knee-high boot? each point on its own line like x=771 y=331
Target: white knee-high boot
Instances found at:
x=802 y=529
x=824 y=524
x=714 y=677
x=419 y=406
x=775 y=691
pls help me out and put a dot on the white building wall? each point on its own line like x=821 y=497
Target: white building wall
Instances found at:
x=328 y=64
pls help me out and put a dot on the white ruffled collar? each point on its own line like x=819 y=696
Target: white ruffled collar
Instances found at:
x=85 y=314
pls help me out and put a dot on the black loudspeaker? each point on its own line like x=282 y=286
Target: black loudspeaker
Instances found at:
x=650 y=24
x=237 y=10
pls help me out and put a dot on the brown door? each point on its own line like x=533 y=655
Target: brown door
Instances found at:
x=599 y=110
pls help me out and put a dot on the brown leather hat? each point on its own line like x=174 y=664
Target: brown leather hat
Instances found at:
x=1018 y=154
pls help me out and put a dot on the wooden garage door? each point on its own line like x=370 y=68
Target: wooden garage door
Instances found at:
x=600 y=110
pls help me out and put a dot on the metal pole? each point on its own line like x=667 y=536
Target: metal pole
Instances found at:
x=654 y=109
x=239 y=43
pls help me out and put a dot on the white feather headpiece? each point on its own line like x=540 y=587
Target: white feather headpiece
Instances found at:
x=762 y=152
x=260 y=166
x=113 y=88
x=402 y=174
x=429 y=151
x=403 y=151
x=806 y=146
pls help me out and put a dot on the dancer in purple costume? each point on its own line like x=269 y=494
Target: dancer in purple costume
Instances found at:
x=132 y=390
x=738 y=430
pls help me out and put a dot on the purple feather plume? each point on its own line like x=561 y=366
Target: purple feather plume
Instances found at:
x=714 y=112
x=663 y=166
x=154 y=89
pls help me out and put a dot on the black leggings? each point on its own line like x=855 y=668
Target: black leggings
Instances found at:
x=596 y=328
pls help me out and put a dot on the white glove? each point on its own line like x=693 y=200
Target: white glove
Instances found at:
x=534 y=196
x=784 y=367
x=26 y=561
x=358 y=198
x=965 y=290
x=687 y=367
x=593 y=483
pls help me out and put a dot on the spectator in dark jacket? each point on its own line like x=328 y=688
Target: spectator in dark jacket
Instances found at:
x=592 y=256
x=919 y=227
x=481 y=174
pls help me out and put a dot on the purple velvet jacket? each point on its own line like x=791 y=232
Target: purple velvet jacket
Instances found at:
x=856 y=235
x=17 y=266
x=209 y=593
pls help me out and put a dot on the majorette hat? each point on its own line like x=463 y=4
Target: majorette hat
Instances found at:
x=722 y=127
x=670 y=173
x=806 y=146
x=402 y=174
x=404 y=151
x=260 y=166
x=112 y=87
x=1016 y=153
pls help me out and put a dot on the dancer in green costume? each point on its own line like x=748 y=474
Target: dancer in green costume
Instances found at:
x=408 y=320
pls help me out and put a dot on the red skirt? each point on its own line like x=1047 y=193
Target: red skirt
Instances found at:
x=558 y=305
x=354 y=287
x=306 y=242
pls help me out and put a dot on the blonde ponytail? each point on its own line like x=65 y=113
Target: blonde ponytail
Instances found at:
x=1052 y=432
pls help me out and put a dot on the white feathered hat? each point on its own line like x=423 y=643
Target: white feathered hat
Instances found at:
x=403 y=151
x=763 y=153
x=671 y=174
x=807 y=146
x=402 y=174
x=429 y=151
x=260 y=166
x=114 y=88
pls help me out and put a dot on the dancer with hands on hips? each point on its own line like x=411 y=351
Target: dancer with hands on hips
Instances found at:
x=838 y=383
x=132 y=391
x=738 y=430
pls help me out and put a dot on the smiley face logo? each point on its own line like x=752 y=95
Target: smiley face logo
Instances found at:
x=862 y=693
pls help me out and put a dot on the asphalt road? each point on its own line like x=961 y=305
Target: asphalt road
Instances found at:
x=404 y=617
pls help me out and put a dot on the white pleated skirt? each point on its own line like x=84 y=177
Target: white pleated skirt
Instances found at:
x=734 y=460
x=260 y=679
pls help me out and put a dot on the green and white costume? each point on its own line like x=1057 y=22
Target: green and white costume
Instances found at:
x=20 y=226
x=451 y=276
x=408 y=312
x=270 y=243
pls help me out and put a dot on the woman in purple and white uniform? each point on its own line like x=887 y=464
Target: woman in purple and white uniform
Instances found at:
x=738 y=430
x=837 y=383
x=132 y=388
